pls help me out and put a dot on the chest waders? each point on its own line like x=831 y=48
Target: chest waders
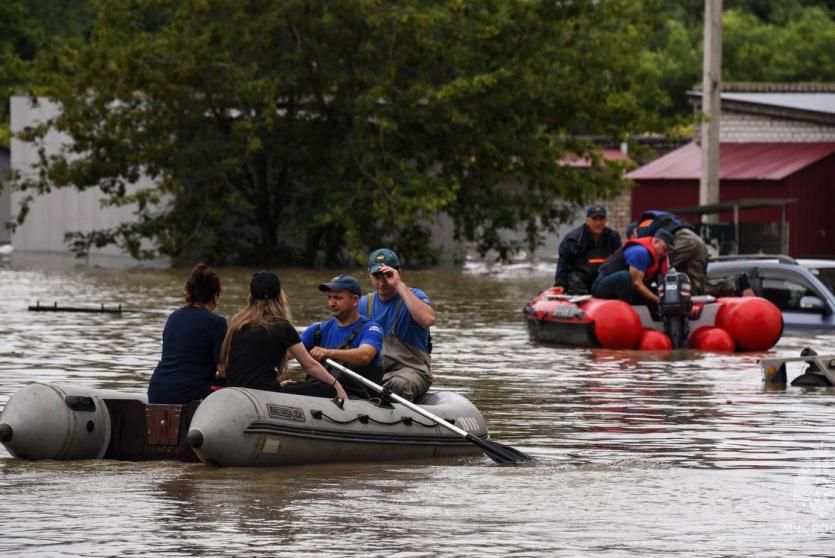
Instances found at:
x=402 y=361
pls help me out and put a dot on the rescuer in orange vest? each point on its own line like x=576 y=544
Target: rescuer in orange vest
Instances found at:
x=629 y=272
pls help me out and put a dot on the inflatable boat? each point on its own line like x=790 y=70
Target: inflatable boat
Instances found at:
x=706 y=323
x=65 y=422
x=243 y=427
x=233 y=426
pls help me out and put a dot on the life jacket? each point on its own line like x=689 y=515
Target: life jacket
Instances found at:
x=618 y=262
x=654 y=219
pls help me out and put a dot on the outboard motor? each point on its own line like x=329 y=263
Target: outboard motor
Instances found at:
x=675 y=304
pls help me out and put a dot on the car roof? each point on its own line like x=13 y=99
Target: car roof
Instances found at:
x=816 y=263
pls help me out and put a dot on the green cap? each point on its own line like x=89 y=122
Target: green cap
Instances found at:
x=382 y=256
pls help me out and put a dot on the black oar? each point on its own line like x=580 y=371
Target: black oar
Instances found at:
x=499 y=453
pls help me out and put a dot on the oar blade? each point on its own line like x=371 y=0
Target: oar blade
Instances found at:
x=500 y=453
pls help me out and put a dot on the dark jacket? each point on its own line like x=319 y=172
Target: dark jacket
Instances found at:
x=578 y=253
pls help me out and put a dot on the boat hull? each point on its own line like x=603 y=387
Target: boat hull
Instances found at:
x=65 y=422
x=725 y=324
x=241 y=427
x=232 y=427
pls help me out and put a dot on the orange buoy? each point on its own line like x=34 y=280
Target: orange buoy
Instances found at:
x=654 y=340
x=708 y=338
x=754 y=323
x=616 y=324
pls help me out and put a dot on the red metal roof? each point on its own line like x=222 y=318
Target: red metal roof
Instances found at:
x=737 y=161
x=572 y=160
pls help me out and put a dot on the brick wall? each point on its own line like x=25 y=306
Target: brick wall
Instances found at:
x=618 y=210
x=737 y=127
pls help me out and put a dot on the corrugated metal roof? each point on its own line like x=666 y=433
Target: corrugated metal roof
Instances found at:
x=737 y=161
x=816 y=102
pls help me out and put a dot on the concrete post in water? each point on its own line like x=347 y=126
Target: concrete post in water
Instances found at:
x=711 y=88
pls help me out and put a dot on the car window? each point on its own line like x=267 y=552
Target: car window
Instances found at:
x=786 y=293
x=826 y=276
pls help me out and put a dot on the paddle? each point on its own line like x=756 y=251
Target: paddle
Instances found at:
x=499 y=453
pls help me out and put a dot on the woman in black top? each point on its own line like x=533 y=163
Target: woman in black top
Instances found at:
x=191 y=343
x=261 y=338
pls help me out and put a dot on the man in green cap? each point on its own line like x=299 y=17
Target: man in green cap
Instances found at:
x=405 y=315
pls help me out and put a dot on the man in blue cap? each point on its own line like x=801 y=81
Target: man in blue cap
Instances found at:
x=405 y=316
x=347 y=337
x=629 y=272
x=583 y=250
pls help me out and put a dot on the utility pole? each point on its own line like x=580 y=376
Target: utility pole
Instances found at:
x=711 y=87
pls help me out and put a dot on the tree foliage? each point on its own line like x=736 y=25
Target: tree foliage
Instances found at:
x=291 y=131
x=307 y=130
x=763 y=40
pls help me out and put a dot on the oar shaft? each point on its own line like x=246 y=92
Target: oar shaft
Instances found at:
x=405 y=402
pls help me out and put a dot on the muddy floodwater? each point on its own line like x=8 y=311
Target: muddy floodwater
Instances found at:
x=676 y=454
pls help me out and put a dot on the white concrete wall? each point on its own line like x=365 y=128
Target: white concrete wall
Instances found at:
x=5 y=197
x=62 y=210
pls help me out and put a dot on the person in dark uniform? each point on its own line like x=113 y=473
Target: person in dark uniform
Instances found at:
x=583 y=250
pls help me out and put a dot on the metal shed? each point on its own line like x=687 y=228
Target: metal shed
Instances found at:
x=779 y=171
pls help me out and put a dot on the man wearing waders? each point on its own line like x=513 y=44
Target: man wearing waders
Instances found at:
x=405 y=315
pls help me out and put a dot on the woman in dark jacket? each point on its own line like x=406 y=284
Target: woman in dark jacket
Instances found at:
x=191 y=343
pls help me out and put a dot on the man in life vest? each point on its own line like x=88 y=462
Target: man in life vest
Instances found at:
x=628 y=274
x=346 y=337
x=689 y=254
x=405 y=315
x=583 y=250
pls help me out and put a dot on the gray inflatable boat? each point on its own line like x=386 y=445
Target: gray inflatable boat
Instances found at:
x=232 y=427
x=243 y=427
x=65 y=422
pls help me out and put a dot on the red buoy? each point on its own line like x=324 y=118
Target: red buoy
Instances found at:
x=654 y=340
x=616 y=324
x=708 y=338
x=754 y=323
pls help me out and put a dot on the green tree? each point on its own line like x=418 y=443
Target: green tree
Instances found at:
x=17 y=44
x=290 y=131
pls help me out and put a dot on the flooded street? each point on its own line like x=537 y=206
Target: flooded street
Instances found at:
x=677 y=454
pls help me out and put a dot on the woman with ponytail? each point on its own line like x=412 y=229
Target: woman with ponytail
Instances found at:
x=191 y=343
x=261 y=338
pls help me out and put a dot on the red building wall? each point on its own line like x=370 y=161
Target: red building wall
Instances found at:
x=811 y=219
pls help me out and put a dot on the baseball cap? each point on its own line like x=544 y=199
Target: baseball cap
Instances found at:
x=665 y=235
x=265 y=284
x=380 y=257
x=342 y=283
x=596 y=211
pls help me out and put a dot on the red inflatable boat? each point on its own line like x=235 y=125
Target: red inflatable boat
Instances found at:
x=723 y=324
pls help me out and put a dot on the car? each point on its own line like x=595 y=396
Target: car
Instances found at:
x=803 y=289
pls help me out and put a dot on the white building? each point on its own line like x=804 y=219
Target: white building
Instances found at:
x=63 y=210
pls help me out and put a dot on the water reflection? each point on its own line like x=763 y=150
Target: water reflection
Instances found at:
x=684 y=450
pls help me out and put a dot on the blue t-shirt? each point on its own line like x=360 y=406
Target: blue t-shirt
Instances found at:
x=334 y=335
x=637 y=257
x=191 y=343
x=383 y=312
